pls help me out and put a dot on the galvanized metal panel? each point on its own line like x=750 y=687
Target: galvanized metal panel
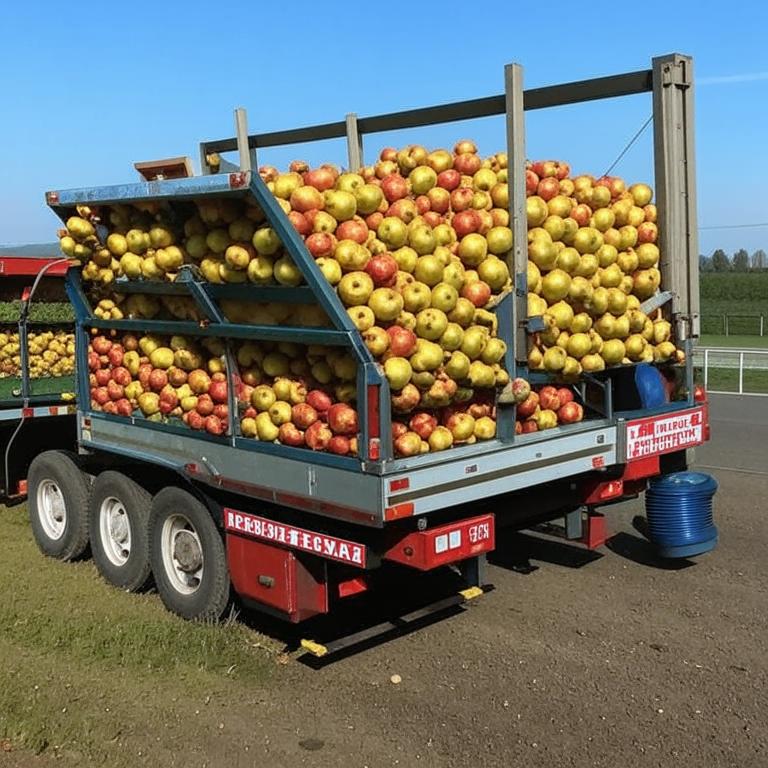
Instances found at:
x=676 y=188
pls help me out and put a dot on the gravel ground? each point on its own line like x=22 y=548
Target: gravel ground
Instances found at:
x=613 y=660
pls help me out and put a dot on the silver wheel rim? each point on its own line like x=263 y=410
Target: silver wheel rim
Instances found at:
x=115 y=531
x=182 y=553
x=51 y=509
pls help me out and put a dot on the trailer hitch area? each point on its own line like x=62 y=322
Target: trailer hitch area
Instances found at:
x=397 y=626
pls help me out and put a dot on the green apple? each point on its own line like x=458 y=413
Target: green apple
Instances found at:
x=417 y=296
x=355 y=288
x=444 y=297
x=429 y=270
x=431 y=323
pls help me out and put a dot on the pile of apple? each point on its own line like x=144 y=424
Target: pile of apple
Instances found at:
x=545 y=407
x=51 y=353
x=160 y=378
x=592 y=260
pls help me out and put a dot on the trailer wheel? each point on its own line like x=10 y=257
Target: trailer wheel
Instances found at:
x=118 y=521
x=188 y=558
x=58 y=505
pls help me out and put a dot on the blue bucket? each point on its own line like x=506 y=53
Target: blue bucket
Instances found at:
x=679 y=512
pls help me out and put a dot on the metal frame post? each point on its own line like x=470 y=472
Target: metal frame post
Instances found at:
x=676 y=188
x=518 y=264
x=241 y=132
x=354 y=143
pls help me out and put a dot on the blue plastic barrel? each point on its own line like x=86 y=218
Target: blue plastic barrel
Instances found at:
x=679 y=512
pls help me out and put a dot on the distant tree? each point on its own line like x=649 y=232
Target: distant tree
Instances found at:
x=705 y=264
x=759 y=259
x=720 y=261
x=741 y=261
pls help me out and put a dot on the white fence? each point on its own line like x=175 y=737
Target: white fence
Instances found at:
x=733 y=324
x=721 y=364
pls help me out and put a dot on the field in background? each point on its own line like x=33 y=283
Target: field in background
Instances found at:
x=742 y=296
x=737 y=342
x=85 y=667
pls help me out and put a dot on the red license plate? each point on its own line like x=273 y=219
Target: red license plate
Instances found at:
x=665 y=433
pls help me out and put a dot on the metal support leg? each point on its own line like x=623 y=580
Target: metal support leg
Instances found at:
x=596 y=533
x=574 y=528
x=473 y=571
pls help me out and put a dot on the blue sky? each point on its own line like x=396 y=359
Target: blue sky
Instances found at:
x=89 y=88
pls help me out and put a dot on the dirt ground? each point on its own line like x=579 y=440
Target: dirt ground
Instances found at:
x=612 y=660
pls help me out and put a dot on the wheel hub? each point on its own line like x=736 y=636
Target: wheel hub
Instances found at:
x=118 y=528
x=187 y=552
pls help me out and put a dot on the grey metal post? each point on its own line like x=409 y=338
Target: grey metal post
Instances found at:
x=354 y=143
x=518 y=263
x=706 y=368
x=741 y=373
x=762 y=324
x=726 y=325
x=676 y=188
x=241 y=132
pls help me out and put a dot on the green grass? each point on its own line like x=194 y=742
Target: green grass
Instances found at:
x=742 y=342
x=85 y=666
x=743 y=296
x=727 y=380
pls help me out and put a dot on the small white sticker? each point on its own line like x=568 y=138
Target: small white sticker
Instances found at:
x=454 y=539
x=441 y=543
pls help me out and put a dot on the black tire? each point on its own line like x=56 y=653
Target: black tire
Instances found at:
x=59 y=525
x=199 y=599
x=123 y=563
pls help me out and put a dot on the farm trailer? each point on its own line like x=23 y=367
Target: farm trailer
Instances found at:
x=293 y=532
x=36 y=411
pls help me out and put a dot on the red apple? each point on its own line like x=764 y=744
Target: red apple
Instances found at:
x=467 y=163
x=103 y=377
x=124 y=407
x=449 y=179
x=402 y=341
x=100 y=395
x=432 y=218
x=110 y=407
x=101 y=345
x=352 y=229
x=288 y=434
x=339 y=444
x=466 y=222
x=93 y=361
x=115 y=391
x=423 y=204
x=318 y=435
x=548 y=188
x=549 y=398
x=158 y=378
x=145 y=369
x=439 y=199
x=176 y=376
x=319 y=400
x=221 y=410
x=398 y=429
x=408 y=444
x=195 y=420
x=320 y=178
x=303 y=415
x=528 y=406
x=115 y=355
x=531 y=182
x=342 y=419
x=461 y=198
x=394 y=187
x=373 y=220
x=570 y=413
x=218 y=391
x=300 y=223
x=214 y=425
x=168 y=401
x=423 y=424
x=321 y=244
x=565 y=394
x=582 y=213
x=530 y=425
x=383 y=269
x=204 y=405
x=477 y=291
